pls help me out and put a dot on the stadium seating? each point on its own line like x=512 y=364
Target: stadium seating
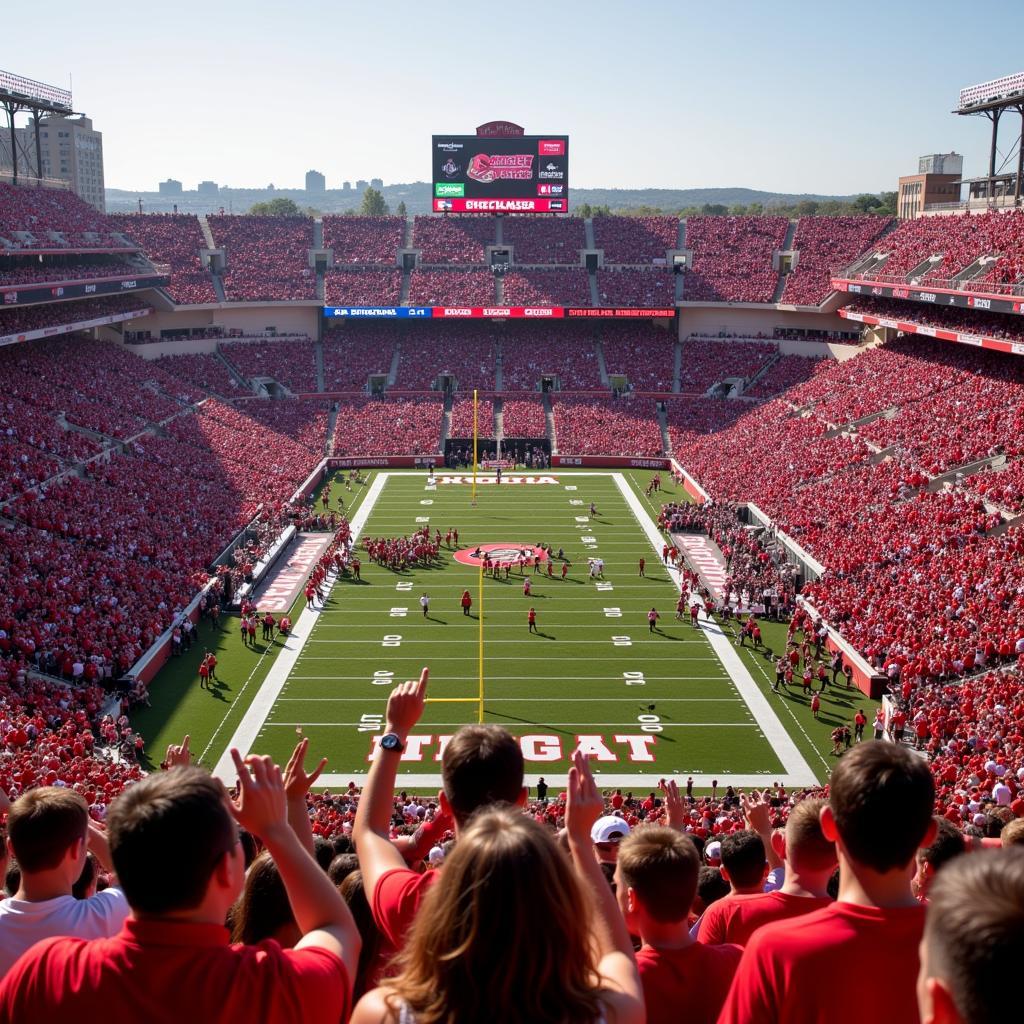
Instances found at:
x=451 y=288
x=267 y=257
x=55 y=219
x=645 y=354
x=707 y=362
x=827 y=245
x=732 y=258
x=449 y=239
x=462 y=418
x=1004 y=326
x=785 y=373
x=635 y=239
x=173 y=238
x=205 y=371
x=465 y=350
x=64 y=269
x=545 y=239
x=626 y=286
x=34 y=318
x=557 y=351
x=351 y=354
x=364 y=239
x=606 y=426
x=1003 y=487
x=363 y=287
x=393 y=427
x=523 y=417
x=959 y=240
x=547 y=288
x=290 y=362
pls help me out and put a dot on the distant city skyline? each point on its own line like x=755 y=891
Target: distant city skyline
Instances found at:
x=813 y=98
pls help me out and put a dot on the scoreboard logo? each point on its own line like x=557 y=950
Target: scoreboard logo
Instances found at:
x=551 y=147
x=550 y=190
x=450 y=188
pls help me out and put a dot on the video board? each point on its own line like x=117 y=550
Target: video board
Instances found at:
x=524 y=174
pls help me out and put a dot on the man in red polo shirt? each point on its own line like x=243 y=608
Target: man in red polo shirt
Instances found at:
x=179 y=861
x=655 y=883
x=808 y=970
x=481 y=765
x=810 y=859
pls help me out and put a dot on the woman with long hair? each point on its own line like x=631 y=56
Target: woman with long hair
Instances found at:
x=515 y=932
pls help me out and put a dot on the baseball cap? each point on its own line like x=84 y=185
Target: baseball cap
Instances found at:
x=436 y=855
x=609 y=829
x=713 y=851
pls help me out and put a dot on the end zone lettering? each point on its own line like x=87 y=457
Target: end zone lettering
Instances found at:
x=631 y=747
x=494 y=480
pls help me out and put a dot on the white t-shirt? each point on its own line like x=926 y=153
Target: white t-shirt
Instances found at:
x=23 y=924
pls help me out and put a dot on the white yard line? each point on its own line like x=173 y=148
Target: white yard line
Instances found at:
x=645 y=783
x=798 y=771
x=256 y=714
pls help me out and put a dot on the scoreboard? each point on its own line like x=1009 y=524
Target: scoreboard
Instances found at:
x=522 y=174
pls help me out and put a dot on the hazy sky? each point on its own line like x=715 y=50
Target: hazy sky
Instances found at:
x=791 y=96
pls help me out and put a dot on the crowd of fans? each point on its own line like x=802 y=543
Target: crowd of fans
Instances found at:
x=175 y=239
x=462 y=418
x=644 y=354
x=63 y=268
x=606 y=426
x=627 y=286
x=453 y=239
x=364 y=239
x=409 y=426
x=54 y=219
x=351 y=355
x=452 y=288
x=523 y=417
x=827 y=245
x=785 y=373
x=706 y=362
x=466 y=352
x=638 y=240
x=267 y=258
x=291 y=362
x=544 y=239
x=22 y=319
x=547 y=288
x=732 y=258
x=205 y=371
x=363 y=287
x=557 y=351
x=1001 y=326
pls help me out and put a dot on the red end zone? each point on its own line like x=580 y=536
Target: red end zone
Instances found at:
x=505 y=551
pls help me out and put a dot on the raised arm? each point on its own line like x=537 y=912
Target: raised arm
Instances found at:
x=322 y=915
x=377 y=854
x=296 y=785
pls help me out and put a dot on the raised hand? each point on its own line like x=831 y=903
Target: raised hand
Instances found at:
x=177 y=754
x=405 y=705
x=584 y=803
x=260 y=806
x=296 y=782
x=675 y=814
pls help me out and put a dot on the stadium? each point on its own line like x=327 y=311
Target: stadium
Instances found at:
x=703 y=505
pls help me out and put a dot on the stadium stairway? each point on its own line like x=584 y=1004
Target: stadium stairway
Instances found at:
x=403 y=298
x=499 y=419
x=204 y=224
x=677 y=355
x=332 y=420
x=446 y=421
x=787 y=245
x=760 y=373
x=549 y=419
x=602 y=368
x=396 y=357
x=231 y=369
x=666 y=444
x=588 y=228
x=499 y=230
x=595 y=296
x=318 y=354
x=499 y=285
x=499 y=376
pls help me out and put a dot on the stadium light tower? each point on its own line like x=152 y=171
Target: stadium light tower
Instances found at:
x=991 y=100
x=18 y=94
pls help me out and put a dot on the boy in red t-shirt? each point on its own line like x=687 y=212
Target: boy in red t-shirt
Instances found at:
x=656 y=881
x=792 y=972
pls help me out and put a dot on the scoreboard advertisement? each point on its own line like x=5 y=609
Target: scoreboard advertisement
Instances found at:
x=524 y=174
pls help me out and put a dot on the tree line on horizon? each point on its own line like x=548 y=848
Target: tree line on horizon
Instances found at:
x=374 y=205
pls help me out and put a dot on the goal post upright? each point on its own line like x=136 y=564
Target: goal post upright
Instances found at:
x=475 y=433
x=480 y=714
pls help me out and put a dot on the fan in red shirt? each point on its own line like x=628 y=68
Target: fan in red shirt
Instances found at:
x=179 y=861
x=656 y=881
x=481 y=765
x=808 y=970
x=810 y=860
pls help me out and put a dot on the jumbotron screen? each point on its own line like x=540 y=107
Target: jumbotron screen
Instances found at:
x=523 y=174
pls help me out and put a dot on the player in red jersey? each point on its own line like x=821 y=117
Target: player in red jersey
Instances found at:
x=643 y=563
x=531 y=619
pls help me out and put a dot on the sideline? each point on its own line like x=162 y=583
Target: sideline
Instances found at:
x=798 y=771
x=259 y=709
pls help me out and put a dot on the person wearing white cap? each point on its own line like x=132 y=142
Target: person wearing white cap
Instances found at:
x=436 y=857
x=605 y=834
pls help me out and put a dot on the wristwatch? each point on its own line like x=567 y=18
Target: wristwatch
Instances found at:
x=392 y=742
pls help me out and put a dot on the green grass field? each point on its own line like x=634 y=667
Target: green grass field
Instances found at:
x=646 y=705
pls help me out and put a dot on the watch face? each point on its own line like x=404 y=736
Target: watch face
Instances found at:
x=391 y=742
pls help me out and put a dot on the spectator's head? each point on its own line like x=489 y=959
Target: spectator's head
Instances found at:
x=46 y=833
x=606 y=834
x=353 y=892
x=175 y=846
x=656 y=878
x=481 y=765
x=947 y=844
x=744 y=865
x=973 y=940
x=86 y=885
x=1013 y=834
x=711 y=887
x=880 y=808
x=803 y=845
x=504 y=868
x=263 y=911
x=341 y=867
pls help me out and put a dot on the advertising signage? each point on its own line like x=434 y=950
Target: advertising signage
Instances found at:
x=524 y=174
x=491 y=312
x=933 y=296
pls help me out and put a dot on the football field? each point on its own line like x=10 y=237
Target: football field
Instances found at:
x=645 y=705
